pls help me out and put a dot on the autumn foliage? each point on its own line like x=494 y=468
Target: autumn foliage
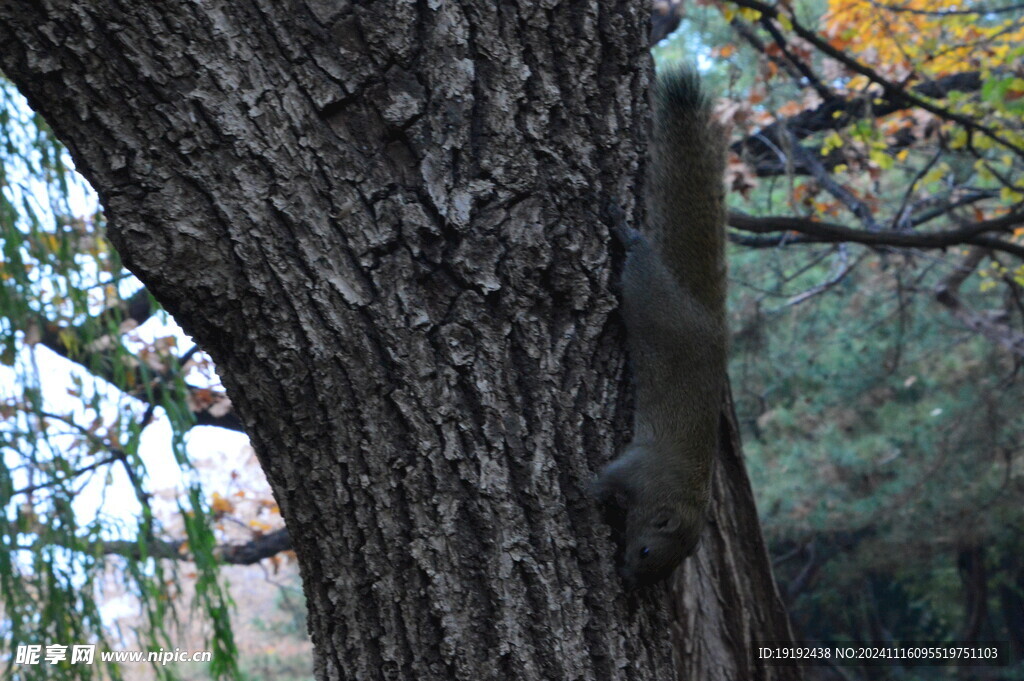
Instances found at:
x=897 y=125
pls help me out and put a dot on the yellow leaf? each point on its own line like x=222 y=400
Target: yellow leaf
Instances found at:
x=881 y=159
x=935 y=174
x=221 y=505
x=1009 y=195
x=832 y=141
x=981 y=168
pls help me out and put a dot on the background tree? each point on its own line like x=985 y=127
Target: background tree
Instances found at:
x=387 y=226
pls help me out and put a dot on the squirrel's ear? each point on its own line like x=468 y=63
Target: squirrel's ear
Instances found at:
x=666 y=519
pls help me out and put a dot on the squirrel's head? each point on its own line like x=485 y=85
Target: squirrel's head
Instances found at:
x=656 y=544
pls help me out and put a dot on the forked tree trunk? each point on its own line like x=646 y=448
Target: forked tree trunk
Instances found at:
x=388 y=224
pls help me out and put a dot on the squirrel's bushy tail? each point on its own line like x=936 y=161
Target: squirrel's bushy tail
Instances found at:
x=687 y=197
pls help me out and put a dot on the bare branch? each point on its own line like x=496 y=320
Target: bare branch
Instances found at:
x=248 y=553
x=945 y=209
x=828 y=183
x=233 y=554
x=746 y=31
x=987 y=325
x=665 y=18
x=844 y=268
x=812 y=79
x=107 y=364
x=901 y=219
x=810 y=231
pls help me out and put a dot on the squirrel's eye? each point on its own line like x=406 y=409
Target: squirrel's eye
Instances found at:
x=644 y=552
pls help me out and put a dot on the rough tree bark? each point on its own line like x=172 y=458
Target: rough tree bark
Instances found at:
x=387 y=223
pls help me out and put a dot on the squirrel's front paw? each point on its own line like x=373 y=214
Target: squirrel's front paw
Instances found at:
x=626 y=235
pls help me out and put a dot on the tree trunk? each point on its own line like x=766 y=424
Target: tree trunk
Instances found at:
x=974 y=577
x=726 y=600
x=1011 y=601
x=388 y=225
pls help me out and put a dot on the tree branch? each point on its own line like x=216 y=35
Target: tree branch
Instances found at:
x=835 y=114
x=233 y=554
x=990 y=327
x=823 y=91
x=108 y=365
x=828 y=183
x=665 y=18
x=897 y=93
x=828 y=232
x=248 y=553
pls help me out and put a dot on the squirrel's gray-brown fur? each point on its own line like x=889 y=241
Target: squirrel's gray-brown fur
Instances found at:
x=673 y=303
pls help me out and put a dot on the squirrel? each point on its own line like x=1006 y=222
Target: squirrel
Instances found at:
x=673 y=305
